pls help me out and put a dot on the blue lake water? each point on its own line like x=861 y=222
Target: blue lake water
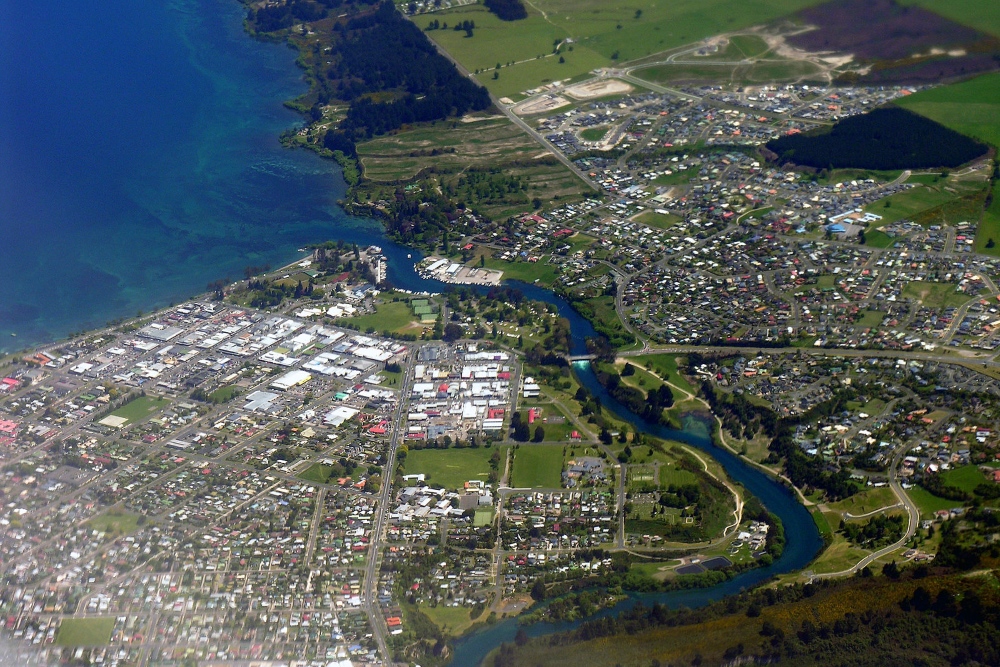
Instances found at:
x=139 y=160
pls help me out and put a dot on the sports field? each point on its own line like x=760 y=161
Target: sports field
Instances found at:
x=538 y=466
x=85 y=631
x=140 y=408
x=451 y=468
x=389 y=316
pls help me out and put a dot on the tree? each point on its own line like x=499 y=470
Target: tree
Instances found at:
x=539 y=434
x=452 y=332
x=538 y=590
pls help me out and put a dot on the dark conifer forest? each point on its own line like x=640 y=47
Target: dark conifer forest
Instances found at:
x=382 y=65
x=884 y=139
x=507 y=10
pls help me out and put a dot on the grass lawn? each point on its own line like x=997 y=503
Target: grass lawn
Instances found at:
x=928 y=503
x=391 y=379
x=772 y=69
x=140 y=408
x=483 y=517
x=966 y=478
x=388 y=316
x=451 y=468
x=115 y=521
x=537 y=466
x=642 y=380
x=452 y=620
x=317 y=472
x=527 y=272
x=85 y=631
x=871 y=318
x=839 y=556
x=558 y=428
x=877 y=239
x=874 y=406
x=223 y=394
x=907 y=204
x=681 y=176
x=664 y=365
x=822 y=524
x=935 y=295
x=594 y=133
x=658 y=570
x=444 y=146
x=671 y=474
x=658 y=220
x=866 y=501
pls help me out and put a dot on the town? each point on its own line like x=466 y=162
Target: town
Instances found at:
x=314 y=467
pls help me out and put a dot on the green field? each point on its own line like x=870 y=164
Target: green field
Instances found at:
x=554 y=432
x=935 y=295
x=85 y=631
x=223 y=394
x=989 y=227
x=822 y=524
x=966 y=478
x=928 y=503
x=877 y=239
x=537 y=466
x=317 y=472
x=866 y=501
x=140 y=408
x=455 y=145
x=451 y=468
x=453 y=621
x=658 y=220
x=979 y=14
x=971 y=107
x=871 y=318
x=389 y=316
x=761 y=71
x=594 y=133
x=839 y=556
x=115 y=521
x=603 y=34
x=642 y=379
x=908 y=204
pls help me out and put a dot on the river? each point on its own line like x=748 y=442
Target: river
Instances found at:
x=802 y=543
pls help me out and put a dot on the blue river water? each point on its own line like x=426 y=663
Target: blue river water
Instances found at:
x=803 y=541
x=139 y=160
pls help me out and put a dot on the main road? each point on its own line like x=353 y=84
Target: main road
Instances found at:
x=368 y=595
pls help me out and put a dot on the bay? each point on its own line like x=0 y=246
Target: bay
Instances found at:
x=139 y=160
